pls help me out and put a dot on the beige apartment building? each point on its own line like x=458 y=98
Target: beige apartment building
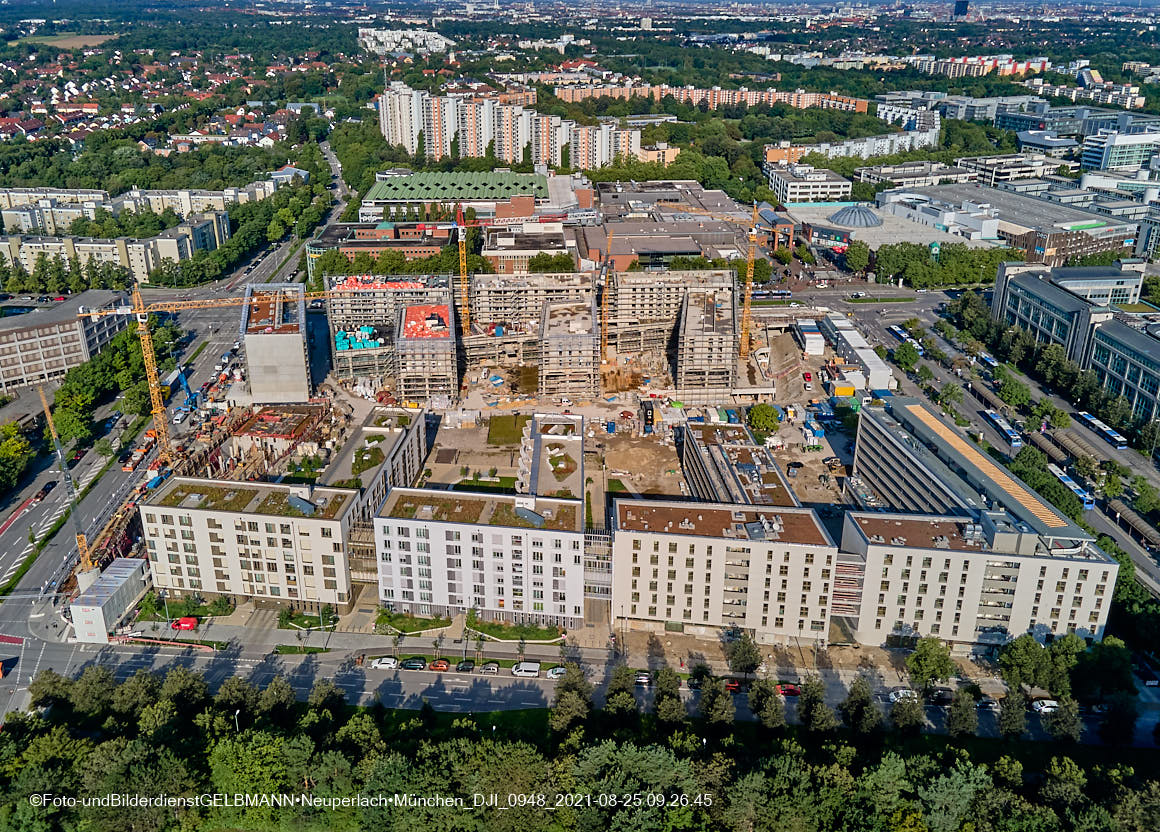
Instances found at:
x=702 y=567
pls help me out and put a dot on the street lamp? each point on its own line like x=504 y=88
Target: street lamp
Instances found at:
x=236 y=727
x=165 y=600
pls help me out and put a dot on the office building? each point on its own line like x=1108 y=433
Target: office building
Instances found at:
x=274 y=331
x=914 y=174
x=412 y=240
x=707 y=345
x=44 y=344
x=1046 y=231
x=509 y=249
x=1046 y=143
x=991 y=170
x=805 y=183
x=1126 y=362
x=1115 y=151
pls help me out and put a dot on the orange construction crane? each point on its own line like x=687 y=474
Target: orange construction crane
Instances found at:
x=82 y=542
x=747 y=303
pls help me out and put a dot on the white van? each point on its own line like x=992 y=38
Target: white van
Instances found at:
x=526 y=669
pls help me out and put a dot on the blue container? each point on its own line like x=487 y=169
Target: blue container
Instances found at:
x=612 y=427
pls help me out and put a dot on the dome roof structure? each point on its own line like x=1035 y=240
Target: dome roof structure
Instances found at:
x=855 y=216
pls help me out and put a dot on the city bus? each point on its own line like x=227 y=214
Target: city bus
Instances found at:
x=1116 y=440
x=1010 y=436
x=1084 y=496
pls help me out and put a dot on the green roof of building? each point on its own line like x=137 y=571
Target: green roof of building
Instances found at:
x=451 y=186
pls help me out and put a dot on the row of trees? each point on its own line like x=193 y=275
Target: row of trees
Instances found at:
x=53 y=275
x=253 y=225
x=334 y=262
x=118 y=368
x=955 y=264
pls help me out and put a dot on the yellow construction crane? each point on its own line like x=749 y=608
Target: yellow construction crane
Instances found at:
x=602 y=281
x=747 y=303
x=464 y=295
x=141 y=312
x=82 y=542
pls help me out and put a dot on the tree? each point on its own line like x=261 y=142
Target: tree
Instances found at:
x=1023 y=661
x=573 y=699
x=544 y=263
x=667 y=696
x=766 y=704
x=857 y=256
x=1015 y=393
x=105 y=448
x=812 y=710
x=905 y=355
x=963 y=715
x=1064 y=723
x=930 y=662
x=763 y=419
x=743 y=655
x=716 y=705
x=619 y=698
x=907 y=715
x=1013 y=715
x=277 y=700
x=1064 y=784
x=236 y=694
x=859 y=710
x=1118 y=726
x=925 y=374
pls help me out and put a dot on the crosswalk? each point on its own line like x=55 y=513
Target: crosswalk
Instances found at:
x=16 y=564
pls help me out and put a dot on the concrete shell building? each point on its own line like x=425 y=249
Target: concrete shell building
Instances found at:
x=707 y=345
x=274 y=329
x=425 y=354
x=569 y=349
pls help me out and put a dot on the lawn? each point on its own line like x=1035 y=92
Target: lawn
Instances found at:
x=409 y=623
x=506 y=485
x=212 y=498
x=880 y=300
x=303 y=621
x=615 y=486
x=507 y=429
x=365 y=459
x=512 y=632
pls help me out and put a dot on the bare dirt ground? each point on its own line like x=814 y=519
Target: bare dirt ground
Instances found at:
x=70 y=41
x=645 y=466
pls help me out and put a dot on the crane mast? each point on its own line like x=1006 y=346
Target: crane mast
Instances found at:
x=82 y=542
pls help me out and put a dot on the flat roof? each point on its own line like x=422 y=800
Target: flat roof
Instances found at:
x=748 y=472
x=282 y=421
x=722 y=521
x=1001 y=485
x=276 y=310
x=64 y=312
x=510 y=510
x=426 y=321
x=1022 y=210
x=451 y=186
x=249 y=498
x=568 y=317
x=1130 y=337
x=894 y=229
x=105 y=587
x=708 y=312
x=372 y=282
x=1056 y=295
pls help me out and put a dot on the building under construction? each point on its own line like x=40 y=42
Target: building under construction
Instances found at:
x=274 y=328
x=363 y=312
x=569 y=349
x=427 y=367
x=706 y=358
x=644 y=308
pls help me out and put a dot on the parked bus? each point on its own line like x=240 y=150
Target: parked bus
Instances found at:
x=898 y=332
x=1116 y=440
x=1010 y=436
x=1085 y=497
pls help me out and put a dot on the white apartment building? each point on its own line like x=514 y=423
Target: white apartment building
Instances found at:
x=973 y=583
x=517 y=558
x=401 y=115
x=704 y=567
x=805 y=183
x=276 y=544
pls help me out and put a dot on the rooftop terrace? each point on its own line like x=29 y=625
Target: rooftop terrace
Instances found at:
x=484 y=509
x=250 y=498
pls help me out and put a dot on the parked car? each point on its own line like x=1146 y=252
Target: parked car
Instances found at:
x=987 y=703
x=789 y=690
x=556 y=672
x=807 y=376
x=1045 y=706
x=440 y=664
x=186 y=623
x=694 y=683
x=465 y=666
x=489 y=668
x=897 y=696
x=77 y=456
x=942 y=696
x=733 y=685
x=643 y=680
x=385 y=663
x=413 y=664
x=526 y=669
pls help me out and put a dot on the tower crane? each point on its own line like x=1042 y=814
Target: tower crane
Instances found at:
x=602 y=281
x=140 y=311
x=747 y=303
x=461 y=226
x=74 y=498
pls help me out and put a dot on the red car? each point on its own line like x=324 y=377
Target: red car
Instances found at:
x=440 y=664
x=732 y=685
x=189 y=623
x=789 y=690
x=808 y=376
